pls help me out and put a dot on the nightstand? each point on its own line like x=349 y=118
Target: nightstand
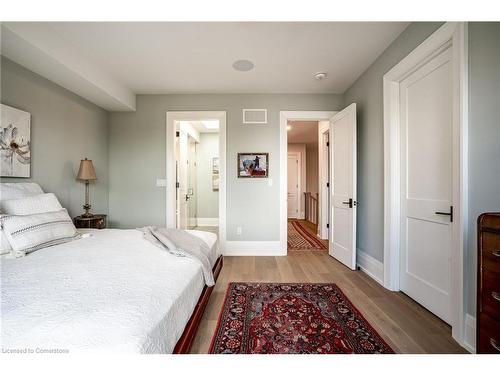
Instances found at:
x=95 y=222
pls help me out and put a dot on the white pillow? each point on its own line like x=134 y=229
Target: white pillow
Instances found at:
x=35 y=204
x=27 y=233
x=14 y=190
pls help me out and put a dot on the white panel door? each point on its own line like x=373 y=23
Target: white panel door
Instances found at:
x=293 y=186
x=342 y=244
x=182 y=223
x=426 y=184
x=191 y=184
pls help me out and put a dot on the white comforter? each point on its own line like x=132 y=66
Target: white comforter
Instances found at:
x=112 y=291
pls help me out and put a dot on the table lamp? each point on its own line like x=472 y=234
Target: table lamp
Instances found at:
x=86 y=173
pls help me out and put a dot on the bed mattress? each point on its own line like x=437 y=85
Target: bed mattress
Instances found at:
x=111 y=291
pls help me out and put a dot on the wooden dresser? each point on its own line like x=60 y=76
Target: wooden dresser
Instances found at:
x=488 y=284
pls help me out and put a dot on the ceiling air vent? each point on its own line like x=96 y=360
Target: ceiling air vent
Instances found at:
x=255 y=116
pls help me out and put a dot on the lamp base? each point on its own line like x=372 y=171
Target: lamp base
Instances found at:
x=87 y=207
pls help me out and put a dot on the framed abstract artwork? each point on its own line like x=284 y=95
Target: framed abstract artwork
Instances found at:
x=253 y=165
x=15 y=142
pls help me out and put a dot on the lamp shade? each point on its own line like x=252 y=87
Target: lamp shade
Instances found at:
x=86 y=171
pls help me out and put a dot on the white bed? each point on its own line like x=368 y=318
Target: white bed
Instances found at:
x=111 y=291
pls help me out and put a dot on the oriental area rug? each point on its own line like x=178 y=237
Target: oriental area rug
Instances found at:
x=269 y=318
x=299 y=238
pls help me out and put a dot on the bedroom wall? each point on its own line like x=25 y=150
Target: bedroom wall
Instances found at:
x=367 y=93
x=64 y=129
x=137 y=158
x=208 y=199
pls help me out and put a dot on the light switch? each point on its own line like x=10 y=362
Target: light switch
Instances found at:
x=238 y=231
x=270 y=181
x=161 y=182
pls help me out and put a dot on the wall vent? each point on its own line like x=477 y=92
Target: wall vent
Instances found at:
x=255 y=116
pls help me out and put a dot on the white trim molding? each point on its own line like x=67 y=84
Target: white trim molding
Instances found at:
x=172 y=118
x=450 y=35
x=286 y=116
x=371 y=266
x=208 y=221
x=254 y=248
x=470 y=333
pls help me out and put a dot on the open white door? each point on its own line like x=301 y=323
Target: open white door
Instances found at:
x=342 y=243
x=183 y=182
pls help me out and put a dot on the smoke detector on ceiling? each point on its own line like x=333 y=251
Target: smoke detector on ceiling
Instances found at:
x=243 y=65
x=320 y=76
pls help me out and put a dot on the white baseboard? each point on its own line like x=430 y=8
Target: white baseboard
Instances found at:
x=208 y=221
x=470 y=333
x=371 y=266
x=254 y=248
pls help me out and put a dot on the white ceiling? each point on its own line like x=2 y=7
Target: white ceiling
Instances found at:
x=303 y=132
x=197 y=57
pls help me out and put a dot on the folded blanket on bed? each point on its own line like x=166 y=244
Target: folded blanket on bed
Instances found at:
x=182 y=243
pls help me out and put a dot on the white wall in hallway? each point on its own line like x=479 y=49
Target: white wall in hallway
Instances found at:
x=208 y=199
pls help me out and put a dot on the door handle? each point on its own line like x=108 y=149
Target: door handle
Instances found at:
x=350 y=202
x=450 y=214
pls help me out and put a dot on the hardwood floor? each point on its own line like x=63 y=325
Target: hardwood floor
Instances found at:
x=404 y=324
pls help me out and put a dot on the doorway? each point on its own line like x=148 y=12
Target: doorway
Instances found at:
x=196 y=163
x=302 y=187
x=197 y=174
x=297 y=152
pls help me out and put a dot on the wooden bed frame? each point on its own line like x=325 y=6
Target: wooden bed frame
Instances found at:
x=184 y=344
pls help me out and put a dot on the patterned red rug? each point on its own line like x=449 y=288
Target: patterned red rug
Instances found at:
x=292 y=319
x=300 y=239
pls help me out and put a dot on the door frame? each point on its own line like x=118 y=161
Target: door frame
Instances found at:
x=453 y=35
x=171 y=118
x=298 y=155
x=323 y=157
x=286 y=116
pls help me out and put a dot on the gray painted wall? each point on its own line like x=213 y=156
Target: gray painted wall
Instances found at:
x=64 y=129
x=208 y=199
x=367 y=92
x=484 y=134
x=137 y=158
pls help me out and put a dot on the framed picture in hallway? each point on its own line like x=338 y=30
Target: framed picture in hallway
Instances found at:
x=215 y=174
x=253 y=165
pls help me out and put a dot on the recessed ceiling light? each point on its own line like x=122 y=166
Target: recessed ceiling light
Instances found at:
x=243 y=65
x=320 y=75
x=211 y=124
x=289 y=127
